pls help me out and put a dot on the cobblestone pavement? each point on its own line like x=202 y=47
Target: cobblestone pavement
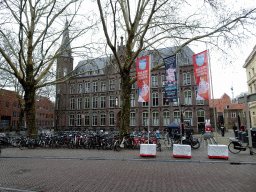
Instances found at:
x=105 y=170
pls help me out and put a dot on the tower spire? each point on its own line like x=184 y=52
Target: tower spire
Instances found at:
x=65 y=45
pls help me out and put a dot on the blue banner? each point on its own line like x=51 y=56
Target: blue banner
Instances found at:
x=171 y=83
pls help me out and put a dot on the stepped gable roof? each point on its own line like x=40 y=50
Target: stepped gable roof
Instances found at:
x=221 y=104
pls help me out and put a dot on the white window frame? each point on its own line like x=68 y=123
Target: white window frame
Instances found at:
x=87 y=103
x=94 y=119
x=166 y=118
x=233 y=114
x=111 y=101
x=132 y=95
x=102 y=102
x=102 y=119
x=188 y=97
x=111 y=119
x=155 y=116
x=72 y=88
x=71 y=120
x=154 y=80
x=79 y=88
x=189 y=115
x=187 y=78
x=163 y=80
x=164 y=103
x=103 y=86
x=94 y=102
x=155 y=99
x=176 y=117
x=95 y=86
x=87 y=119
x=79 y=120
x=132 y=118
x=111 y=85
x=87 y=87
x=72 y=103
x=199 y=102
x=145 y=118
x=79 y=103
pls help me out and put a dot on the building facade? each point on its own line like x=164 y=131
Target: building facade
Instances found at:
x=250 y=66
x=227 y=113
x=92 y=100
x=11 y=110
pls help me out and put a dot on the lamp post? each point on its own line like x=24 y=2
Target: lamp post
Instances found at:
x=116 y=106
x=182 y=119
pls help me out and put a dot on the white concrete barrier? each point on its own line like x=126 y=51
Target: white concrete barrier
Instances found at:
x=148 y=150
x=181 y=151
x=218 y=151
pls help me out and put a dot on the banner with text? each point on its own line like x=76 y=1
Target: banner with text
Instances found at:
x=201 y=71
x=171 y=84
x=142 y=68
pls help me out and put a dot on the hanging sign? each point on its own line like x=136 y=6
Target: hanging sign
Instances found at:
x=171 y=84
x=143 y=78
x=201 y=71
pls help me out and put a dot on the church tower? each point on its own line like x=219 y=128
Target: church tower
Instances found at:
x=64 y=67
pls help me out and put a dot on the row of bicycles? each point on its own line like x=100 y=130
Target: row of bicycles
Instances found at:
x=90 y=140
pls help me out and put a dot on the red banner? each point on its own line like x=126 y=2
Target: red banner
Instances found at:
x=142 y=68
x=201 y=71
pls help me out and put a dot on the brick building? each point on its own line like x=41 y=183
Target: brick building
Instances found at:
x=92 y=100
x=227 y=113
x=10 y=112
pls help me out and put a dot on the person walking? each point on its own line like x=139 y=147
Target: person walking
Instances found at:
x=222 y=128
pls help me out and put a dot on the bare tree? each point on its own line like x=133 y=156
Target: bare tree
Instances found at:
x=147 y=24
x=38 y=28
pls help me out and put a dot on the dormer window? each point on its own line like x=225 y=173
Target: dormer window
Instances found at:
x=228 y=106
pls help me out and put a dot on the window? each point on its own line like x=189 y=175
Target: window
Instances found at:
x=120 y=84
x=164 y=100
x=155 y=99
x=133 y=86
x=7 y=104
x=87 y=87
x=72 y=103
x=200 y=116
x=111 y=85
x=72 y=88
x=233 y=114
x=94 y=102
x=14 y=114
x=188 y=115
x=187 y=97
x=176 y=116
x=111 y=101
x=65 y=72
x=95 y=86
x=186 y=79
x=79 y=120
x=228 y=106
x=79 y=88
x=86 y=119
x=144 y=104
x=103 y=86
x=111 y=119
x=15 y=105
x=132 y=119
x=154 y=79
x=132 y=100
x=145 y=118
x=94 y=119
x=166 y=118
x=87 y=103
x=155 y=119
x=103 y=102
x=79 y=103
x=71 y=120
x=163 y=80
x=102 y=119
x=199 y=101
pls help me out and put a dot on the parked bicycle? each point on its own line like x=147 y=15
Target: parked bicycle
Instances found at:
x=235 y=146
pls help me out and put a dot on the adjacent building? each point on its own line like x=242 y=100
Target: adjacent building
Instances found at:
x=92 y=100
x=11 y=110
x=250 y=66
x=227 y=113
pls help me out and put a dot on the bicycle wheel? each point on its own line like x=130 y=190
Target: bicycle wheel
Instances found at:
x=117 y=146
x=231 y=147
x=168 y=143
x=195 y=144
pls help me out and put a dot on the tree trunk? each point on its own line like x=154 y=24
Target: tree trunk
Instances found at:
x=126 y=104
x=29 y=98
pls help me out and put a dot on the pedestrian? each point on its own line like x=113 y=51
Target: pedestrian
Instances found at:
x=235 y=129
x=222 y=130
